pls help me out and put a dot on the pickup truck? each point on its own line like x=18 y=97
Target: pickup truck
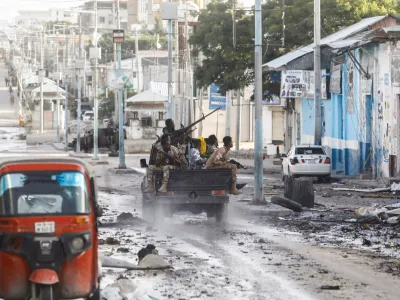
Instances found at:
x=196 y=191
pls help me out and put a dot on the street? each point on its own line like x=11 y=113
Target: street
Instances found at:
x=256 y=255
x=302 y=109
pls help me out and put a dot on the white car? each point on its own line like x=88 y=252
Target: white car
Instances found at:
x=88 y=115
x=309 y=160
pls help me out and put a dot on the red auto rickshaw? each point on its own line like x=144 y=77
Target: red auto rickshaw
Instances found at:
x=48 y=230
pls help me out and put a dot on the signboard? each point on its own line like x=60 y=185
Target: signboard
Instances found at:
x=118 y=36
x=300 y=84
x=216 y=99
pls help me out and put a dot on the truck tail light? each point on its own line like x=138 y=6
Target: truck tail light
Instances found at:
x=217 y=192
x=294 y=161
x=327 y=161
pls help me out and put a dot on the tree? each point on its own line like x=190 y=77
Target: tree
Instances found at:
x=222 y=63
x=232 y=67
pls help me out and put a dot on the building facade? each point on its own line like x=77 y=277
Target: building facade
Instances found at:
x=359 y=113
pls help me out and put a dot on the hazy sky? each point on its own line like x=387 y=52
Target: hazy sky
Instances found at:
x=9 y=8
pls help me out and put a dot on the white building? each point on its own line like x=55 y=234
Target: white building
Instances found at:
x=32 y=18
x=106 y=14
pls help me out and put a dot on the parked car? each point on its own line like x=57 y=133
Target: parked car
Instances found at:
x=85 y=107
x=310 y=161
x=88 y=115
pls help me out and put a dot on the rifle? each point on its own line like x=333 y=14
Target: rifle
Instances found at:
x=169 y=156
x=238 y=164
x=185 y=130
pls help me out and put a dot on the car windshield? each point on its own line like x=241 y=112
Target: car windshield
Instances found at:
x=310 y=151
x=44 y=192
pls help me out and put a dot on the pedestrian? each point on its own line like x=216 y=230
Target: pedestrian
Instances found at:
x=5 y=79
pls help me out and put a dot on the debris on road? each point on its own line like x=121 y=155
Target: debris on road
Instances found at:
x=371 y=214
x=152 y=262
x=330 y=287
x=112 y=241
x=287 y=203
x=150 y=249
x=377 y=190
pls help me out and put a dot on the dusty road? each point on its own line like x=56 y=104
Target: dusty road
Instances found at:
x=252 y=257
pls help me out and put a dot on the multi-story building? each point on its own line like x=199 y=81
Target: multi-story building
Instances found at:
x=106 y=14
x=32 y=18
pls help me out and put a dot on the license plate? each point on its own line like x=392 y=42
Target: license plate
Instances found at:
x=311 y=161
x=45 y=227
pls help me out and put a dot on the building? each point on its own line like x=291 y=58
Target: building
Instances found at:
x=106 y=14
x=33 y=18
x=361 y=97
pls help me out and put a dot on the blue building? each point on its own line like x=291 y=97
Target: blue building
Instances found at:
x=362 y=96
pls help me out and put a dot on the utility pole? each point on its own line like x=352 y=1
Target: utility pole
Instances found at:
x=121 y=104
x=317 y=73
x=177 y=66
x=78 y=67
x=96 y=102
x=116 y=104
x=228 y=113
x=137 y=61
x=258 y=139
x=41 y=83
x=170 y=94
x=238 y=108
x=66 y=114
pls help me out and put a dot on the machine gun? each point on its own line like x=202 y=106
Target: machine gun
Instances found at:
x=177 y=135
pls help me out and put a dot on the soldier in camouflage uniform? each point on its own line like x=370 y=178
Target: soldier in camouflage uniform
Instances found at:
x=167 y=158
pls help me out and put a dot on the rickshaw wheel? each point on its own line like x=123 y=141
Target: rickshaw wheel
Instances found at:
x=46 y=292
x=96 y=295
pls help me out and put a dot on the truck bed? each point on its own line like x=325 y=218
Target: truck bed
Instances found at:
x=204 y=180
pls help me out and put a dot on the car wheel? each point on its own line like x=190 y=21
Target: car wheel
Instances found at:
x=327 y=179
x=320 y=179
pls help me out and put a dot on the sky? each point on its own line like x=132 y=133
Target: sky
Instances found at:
x=9 y=8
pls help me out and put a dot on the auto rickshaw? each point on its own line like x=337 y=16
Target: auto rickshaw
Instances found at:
x=48 y=230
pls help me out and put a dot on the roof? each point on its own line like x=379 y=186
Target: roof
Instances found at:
x=337 y=36
x=49 y=88
x=147 y=97
x=150 y=107
x=45 y=160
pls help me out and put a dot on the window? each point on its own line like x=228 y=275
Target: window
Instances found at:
x=102 y=19
x=310 y=151
x=161 y=115
x=136 y=115
x=43 y=193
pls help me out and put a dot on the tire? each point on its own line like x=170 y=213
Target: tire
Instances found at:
x=45 y=292
x=221 y=213
x=290 y=173
x=96 y=294
x=320 y=179
x=327 y=179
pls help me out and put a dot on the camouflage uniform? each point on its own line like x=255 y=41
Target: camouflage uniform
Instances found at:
x=221 y=161
x=162 y=163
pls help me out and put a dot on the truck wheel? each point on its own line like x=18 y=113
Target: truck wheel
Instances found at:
x=46 y=292
x=221 y=213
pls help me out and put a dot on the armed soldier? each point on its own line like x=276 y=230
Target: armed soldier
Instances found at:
x=167 y=158
x=169 y=127
x=219 y=159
